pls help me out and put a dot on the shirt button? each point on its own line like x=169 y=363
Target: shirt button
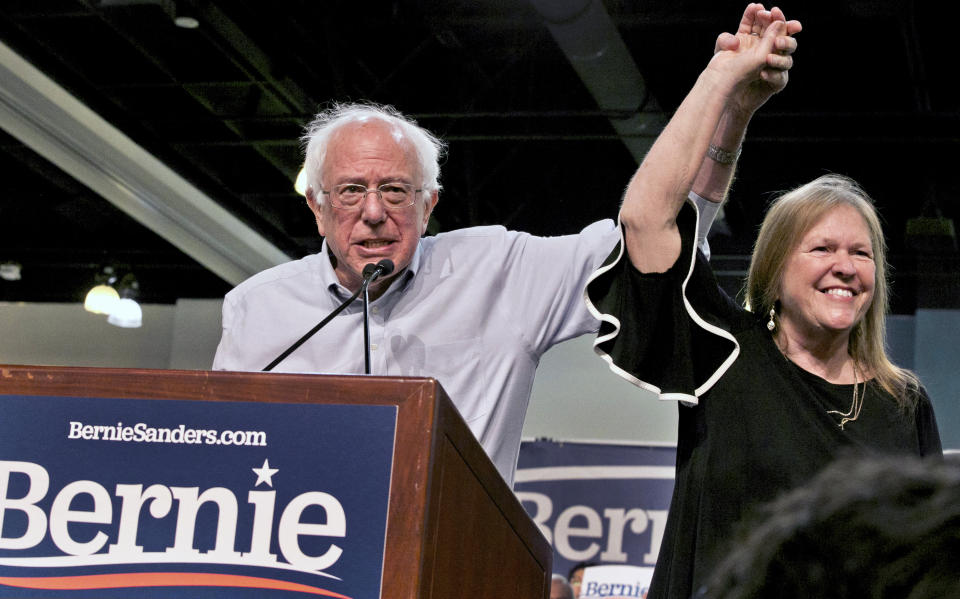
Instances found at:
x=373 y=347
x=375 y=309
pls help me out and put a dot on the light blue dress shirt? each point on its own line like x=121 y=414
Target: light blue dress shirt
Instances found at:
x=476 y=309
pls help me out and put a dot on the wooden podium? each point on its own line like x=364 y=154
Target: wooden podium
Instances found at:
x=454 y=528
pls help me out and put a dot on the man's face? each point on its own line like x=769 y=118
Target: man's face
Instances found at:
x=576 y=578
x=370 y=154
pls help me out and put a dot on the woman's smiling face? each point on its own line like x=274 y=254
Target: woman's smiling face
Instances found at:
x=829 y=278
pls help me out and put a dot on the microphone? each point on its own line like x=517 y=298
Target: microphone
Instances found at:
x=370 y=273
x=380 y=269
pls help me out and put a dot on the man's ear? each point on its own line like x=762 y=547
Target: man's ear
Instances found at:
x=317 y=210
x=428 y=207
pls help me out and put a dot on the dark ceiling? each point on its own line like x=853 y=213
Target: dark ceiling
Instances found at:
x=222 y=105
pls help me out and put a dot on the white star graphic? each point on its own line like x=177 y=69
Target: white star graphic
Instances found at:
x=265 y=473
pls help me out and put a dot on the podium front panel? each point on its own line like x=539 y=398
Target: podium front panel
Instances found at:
x=99 y=496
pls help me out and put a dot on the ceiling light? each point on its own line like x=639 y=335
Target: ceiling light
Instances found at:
x=101 y=299
x=186 y=22
x=126 y=312
x=10 y=271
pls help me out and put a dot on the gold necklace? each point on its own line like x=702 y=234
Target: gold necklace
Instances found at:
x=857 y=404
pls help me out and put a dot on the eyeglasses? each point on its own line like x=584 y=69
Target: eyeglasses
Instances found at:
x=350 y=196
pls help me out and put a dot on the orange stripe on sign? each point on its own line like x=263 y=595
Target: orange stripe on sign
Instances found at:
x=160 y=579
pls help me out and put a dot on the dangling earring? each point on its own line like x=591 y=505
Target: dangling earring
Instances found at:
x=771 y=324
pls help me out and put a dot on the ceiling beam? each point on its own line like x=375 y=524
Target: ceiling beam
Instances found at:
x=56 y=125
x=593 y=45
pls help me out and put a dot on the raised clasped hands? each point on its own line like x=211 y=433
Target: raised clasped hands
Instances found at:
x=758 y=56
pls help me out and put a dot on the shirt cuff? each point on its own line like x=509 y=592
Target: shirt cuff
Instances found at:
x=708 y=212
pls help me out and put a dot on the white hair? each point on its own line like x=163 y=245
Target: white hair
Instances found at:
x=567 y=589
x=429 y=148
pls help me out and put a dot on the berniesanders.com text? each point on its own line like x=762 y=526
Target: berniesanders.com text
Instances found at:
x=144 y=433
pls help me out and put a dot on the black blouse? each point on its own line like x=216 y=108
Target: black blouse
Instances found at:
x=752 y=424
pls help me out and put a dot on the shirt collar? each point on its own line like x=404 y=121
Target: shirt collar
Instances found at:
x=329 y=276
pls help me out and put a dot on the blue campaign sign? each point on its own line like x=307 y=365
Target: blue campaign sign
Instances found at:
x=167 y=498
x=597 y=502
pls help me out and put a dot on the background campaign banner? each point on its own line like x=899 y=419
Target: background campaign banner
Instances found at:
x=615 y=582
x=602 y=503
x=167 y=498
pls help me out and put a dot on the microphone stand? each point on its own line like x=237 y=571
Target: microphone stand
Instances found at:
x=370 y=272
x=366 y=331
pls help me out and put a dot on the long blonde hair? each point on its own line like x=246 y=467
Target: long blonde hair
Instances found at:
x=788 y=220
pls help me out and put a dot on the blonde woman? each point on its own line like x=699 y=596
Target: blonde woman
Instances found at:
x=770 y=396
